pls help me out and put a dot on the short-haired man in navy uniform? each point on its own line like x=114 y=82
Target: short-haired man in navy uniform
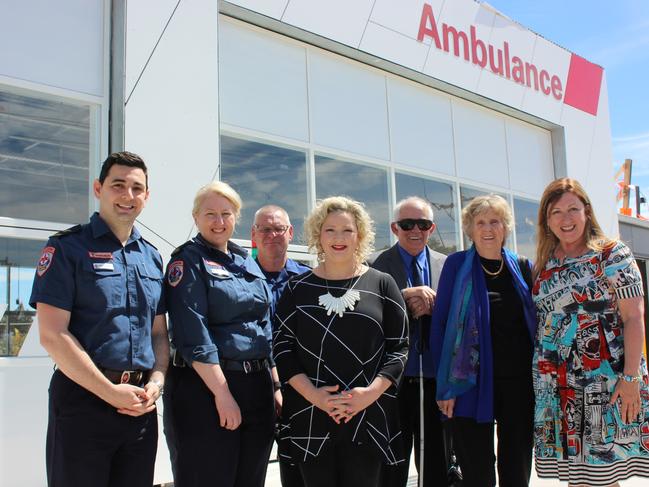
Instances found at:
x=98 y=299
x=271 y=233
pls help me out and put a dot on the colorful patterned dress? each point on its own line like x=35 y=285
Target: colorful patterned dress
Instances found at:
x=579 y=355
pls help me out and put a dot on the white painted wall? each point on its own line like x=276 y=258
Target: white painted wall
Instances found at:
x=388 y=29
x=172 y=116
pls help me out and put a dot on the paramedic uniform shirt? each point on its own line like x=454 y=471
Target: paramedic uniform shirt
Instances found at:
x=112 y=292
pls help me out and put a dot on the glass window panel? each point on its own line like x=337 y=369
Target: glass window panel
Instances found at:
x=18 y=258
x=466 y=195
x=44 y=159
x=264 y=174
x=526 y=216
x=363 y=183
x=442 y=198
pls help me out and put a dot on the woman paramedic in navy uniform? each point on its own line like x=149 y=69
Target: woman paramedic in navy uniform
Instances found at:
x=220 y=389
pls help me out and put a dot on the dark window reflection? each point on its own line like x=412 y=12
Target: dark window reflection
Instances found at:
x=441 y=197
x=526 y=216
x=264 y=174
x=367 y=184
x=466 y=195
x=18 y=259
x=44 y=159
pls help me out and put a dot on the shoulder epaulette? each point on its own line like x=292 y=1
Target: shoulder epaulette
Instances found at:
x=149 y=243
x=179 y=248
x=68 y=231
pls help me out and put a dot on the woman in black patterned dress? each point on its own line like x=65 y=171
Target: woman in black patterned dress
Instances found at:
x=340 y=348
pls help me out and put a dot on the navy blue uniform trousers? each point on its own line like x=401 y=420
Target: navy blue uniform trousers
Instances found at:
x=90 y=443
x=207 y=453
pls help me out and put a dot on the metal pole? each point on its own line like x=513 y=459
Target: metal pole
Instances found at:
x=421 y=409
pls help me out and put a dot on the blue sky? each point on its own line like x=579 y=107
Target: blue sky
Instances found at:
x=614 y=35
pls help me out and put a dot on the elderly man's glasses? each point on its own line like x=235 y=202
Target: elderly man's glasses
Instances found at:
x=408 y=224
x=278 y=230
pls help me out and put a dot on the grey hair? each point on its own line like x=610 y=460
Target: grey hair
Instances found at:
x=412 y=199
x=271 y=209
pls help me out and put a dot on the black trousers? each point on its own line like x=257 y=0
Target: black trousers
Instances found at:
x=435 y=466
x=290 y=475
x=474 y=442
x=171 y=380
x=206 y=453
x=90 y=443
x=343 y=463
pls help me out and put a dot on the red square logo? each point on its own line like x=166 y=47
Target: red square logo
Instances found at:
x=584 y=84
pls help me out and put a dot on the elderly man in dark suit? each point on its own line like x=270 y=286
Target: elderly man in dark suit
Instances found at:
x=416 y=269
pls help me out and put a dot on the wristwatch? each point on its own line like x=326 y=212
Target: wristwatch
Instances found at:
x=160 y=384
x=631 y=378
x=277 y=386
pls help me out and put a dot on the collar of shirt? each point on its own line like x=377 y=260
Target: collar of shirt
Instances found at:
x=237 y=257
x=295 y=268
x=422 y=261
x=100 y=228
x=291 y=268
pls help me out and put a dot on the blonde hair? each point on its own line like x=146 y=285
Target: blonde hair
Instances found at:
x=364 y=225
x=546 y=241
x=479 y=205
x=222 y=189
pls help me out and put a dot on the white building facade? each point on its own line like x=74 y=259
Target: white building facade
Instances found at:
x=287 y=100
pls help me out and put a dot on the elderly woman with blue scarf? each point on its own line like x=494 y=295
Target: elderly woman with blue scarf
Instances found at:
x=482 y=334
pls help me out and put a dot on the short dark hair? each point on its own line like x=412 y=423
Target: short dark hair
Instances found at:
x=124 y=158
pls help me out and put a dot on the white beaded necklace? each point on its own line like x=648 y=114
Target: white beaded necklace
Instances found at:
x=342 y=303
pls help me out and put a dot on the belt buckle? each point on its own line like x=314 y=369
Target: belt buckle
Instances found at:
x=247 y=366
x=177 y=359
x=126 y=377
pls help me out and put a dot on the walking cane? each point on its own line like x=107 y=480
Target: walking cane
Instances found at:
x=421 y=409
x=420 y=349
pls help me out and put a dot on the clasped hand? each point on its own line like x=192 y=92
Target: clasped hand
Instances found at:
x=343 y=406
x=420 y=300
x=134 y=401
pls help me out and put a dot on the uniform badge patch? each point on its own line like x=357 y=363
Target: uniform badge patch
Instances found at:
x=45 y=261
x=100 y=255
x=175 y=273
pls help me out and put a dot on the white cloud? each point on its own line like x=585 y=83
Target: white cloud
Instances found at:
x=614 y=47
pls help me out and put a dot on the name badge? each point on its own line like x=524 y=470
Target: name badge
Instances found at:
x=215 y=269
x=103 y=266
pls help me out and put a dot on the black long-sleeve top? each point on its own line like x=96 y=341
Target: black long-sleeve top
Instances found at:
x=349 y=351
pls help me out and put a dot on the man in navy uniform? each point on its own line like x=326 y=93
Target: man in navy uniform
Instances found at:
x=271 y=233
x=98 y=299
x=416 y=269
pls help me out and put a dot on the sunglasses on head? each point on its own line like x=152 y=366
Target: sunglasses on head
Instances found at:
x=409 y=223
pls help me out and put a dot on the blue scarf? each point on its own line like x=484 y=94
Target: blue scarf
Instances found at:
x=460 y=359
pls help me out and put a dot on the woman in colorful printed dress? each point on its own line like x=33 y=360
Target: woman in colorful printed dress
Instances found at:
x=340 y=347
x=590 y=377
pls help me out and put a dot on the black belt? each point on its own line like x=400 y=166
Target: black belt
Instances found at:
x=245 y=366
x=177 y=359
x=133 y=377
